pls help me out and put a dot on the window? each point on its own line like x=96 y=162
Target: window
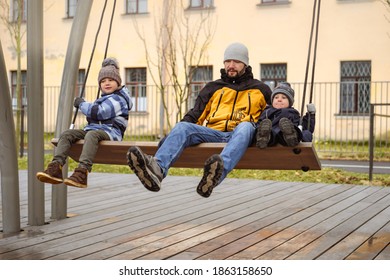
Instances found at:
x=200 y=76
x=16 y=9
x=201 y=4
x=355 y=87
x=273 y=1
x=80 y=82
x=23 y=88
x=136 y=6
x=272 y=74
x=71 y=8
x=136 y=83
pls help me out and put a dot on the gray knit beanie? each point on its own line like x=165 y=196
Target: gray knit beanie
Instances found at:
x=284 y=88
x=237 y=51
x=110 y=69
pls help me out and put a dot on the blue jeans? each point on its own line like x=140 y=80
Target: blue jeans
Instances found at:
x=186 y=134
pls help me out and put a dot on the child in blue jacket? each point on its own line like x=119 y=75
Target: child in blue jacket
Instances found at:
x=107 y=119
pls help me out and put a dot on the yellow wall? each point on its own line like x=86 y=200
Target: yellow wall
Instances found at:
x=349 y=30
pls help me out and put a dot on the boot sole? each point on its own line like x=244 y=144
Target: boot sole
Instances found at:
x=212 y=173
x=136 y=162
x=263 y=134
x=74 y=184
x=45 y=178
x=289 y=133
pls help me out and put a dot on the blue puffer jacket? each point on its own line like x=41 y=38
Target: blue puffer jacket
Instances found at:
x=110 y=113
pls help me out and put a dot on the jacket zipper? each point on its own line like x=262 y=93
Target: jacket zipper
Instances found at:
x=249 y=107
x=232 y=112
x=219 y=102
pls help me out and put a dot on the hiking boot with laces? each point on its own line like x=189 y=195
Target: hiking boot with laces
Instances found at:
x=52 y=175
x=212 y=173
x=263 y=134
x=290 y=135
x=78 y=178
x=146 y=168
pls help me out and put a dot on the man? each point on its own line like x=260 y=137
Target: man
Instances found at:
x=226 y=110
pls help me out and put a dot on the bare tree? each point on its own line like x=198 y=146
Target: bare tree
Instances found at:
x=387 y=6
x=13 y=22
x=181 y=42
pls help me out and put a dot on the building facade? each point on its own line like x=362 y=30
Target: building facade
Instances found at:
x=352 y=67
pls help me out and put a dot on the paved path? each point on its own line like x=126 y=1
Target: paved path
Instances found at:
x=358 y=166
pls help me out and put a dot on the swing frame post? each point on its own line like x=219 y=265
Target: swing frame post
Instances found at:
x=65 y=105
x=35 y=82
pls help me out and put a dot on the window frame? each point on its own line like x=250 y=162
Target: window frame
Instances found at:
x=273 y=2
x=196 y=83
x=80 y=82
x=272 y=82
x=15 y=11
x=138 y=90
x=23 y=85
x=71 y=7
x=357 y=86
x=203 y=4
x=137 y=3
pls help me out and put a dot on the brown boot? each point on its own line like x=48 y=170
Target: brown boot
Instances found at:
x=52 y=175
x=212 y=173
x=290 y=135
x=78 y=178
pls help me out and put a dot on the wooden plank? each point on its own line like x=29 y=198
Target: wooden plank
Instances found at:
x=374 y=244
x=243 y=218
x=319 y=247
x=254 y=236
x=302 y=157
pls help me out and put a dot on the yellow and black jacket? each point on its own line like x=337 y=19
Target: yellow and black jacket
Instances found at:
x=224 y=103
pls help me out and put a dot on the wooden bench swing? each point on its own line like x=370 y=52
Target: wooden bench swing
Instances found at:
x=302 y=157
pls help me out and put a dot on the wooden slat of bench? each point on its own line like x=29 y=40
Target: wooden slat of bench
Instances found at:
x=279 y=157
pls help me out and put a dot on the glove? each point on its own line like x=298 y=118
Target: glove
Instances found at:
x=311 y=108
x=78 y=101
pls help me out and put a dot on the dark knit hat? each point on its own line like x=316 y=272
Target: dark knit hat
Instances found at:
x=110 y=69
x=284 y=88
x=237 y=51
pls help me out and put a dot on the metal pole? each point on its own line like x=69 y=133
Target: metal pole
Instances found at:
x=36 y=195
x=22 y=130
x=371 y=143
x=8 y=157
x=65 y=104
x=165 y=49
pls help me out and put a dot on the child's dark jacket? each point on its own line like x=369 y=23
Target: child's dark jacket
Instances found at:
x=275 y=115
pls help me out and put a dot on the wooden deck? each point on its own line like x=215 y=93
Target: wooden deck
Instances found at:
x=116 y=218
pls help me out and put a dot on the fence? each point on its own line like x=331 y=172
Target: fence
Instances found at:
x=337 y=132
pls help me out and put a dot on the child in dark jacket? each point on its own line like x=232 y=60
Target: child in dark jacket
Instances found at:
x=279 y=122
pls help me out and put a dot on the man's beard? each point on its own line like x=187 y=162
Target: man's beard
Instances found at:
x=235 y=74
